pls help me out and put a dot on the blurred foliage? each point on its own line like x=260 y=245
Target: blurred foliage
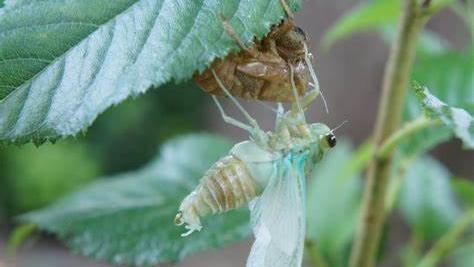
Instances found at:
x=465 y=191
x=128 y=219
x=427 y=201
x=368 y=15
x=18 y=236
x=34 y=177
x=334 y=193
x=373 y=15
x=456 y=119
x=450 y=77
x=463 y=256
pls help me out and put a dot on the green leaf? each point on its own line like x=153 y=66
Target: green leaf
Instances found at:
x=465 y=190
x=334 y=200
x=128 y=219
x=370 y=15
x=450 y=76
x=457 y=119
x=18 y=236
x=367 y=16
x=426 y=200
x=462 y=256
x=62 y=63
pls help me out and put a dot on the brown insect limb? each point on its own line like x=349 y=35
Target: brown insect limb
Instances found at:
x=231 y=32
x=254 y=128
x=287 y=9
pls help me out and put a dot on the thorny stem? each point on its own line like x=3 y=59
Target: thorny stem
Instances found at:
x=447 y=241
x=398 y=69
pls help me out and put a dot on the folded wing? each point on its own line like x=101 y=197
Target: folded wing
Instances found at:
x=278 y=219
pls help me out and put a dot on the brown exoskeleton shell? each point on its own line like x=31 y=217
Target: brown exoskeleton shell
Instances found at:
x=263 y=71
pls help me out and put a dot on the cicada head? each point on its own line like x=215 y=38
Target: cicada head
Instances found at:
x=323 y=139
x=291 y=45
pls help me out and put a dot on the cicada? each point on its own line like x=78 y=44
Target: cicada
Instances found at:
x=268 y=171
x=262 y=71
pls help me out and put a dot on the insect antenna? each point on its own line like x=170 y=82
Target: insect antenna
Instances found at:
x=312 y=73
x=339 y=126
x=267 y=106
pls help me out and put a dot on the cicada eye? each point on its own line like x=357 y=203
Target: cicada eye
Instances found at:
x=331 y=140
x=300 y=32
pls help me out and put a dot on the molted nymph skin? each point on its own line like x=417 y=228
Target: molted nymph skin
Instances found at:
x=265 y=74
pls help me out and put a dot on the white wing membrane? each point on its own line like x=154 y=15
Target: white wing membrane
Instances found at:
x=278 y=219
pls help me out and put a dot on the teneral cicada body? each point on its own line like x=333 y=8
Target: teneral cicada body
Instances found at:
x=268 y=172
x=263 y=71
x=230 y=183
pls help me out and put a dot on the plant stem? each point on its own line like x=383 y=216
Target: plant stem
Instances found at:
x=447 y=241
x=394 y=186
x=398 y=69
x=408 y=129
x=314 y=254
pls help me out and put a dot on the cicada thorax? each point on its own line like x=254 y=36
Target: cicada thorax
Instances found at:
x=264 y=74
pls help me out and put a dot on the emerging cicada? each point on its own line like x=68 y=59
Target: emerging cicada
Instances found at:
x=268 y=171
x=262 y=71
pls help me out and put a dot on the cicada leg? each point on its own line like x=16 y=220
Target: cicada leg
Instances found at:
x=253 y=128
x=287 y=9
x=229 y=119
x=231 y=32
x=312 y=73
x=297 y=107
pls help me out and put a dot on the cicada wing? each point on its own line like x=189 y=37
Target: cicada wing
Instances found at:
x=278 y=219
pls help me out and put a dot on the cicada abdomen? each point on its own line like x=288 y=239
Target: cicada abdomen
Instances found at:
x=230 y=183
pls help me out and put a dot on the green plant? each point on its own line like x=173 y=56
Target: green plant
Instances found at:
x=88 y=59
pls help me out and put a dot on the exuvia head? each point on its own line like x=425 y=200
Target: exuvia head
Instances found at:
x=291 y=45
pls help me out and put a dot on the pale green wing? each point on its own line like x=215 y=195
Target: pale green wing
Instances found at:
x=278 y=217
